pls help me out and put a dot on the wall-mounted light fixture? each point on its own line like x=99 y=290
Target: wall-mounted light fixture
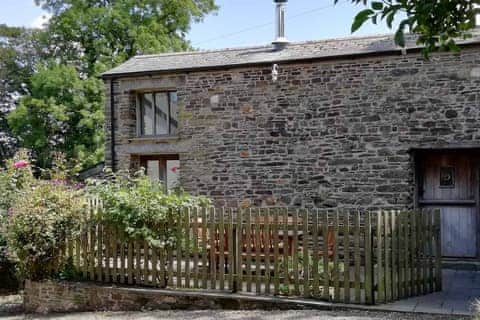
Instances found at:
x=275 y=72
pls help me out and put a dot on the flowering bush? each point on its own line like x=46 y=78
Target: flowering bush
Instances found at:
x=13 y=177
x=39 y=215
x=16 y=175
x=139 y=205
x=20 y=164
x=40 y=220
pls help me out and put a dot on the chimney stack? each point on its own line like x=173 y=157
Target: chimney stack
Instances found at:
x=281 y=41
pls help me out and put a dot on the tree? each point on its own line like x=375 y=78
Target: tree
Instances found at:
x=104 y=33
x=64 y=110
x=62 y=113
x=18 y=56
x=438 y=23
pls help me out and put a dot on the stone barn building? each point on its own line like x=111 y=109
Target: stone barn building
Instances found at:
x=356 y=123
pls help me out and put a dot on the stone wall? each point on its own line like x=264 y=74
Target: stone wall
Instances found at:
x=334 y=133
x=49 y=296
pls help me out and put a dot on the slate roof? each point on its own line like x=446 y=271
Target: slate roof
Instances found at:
x=201 y=60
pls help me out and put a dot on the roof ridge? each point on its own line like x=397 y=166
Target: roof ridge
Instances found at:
x=167 y=54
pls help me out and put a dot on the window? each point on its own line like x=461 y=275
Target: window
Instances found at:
x=163 y=168
x=447 y=177
x=157 y=114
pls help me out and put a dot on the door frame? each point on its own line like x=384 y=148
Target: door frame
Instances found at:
x=418 y=153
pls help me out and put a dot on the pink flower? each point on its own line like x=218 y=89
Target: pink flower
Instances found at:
x=174 y=169
x=20 y=164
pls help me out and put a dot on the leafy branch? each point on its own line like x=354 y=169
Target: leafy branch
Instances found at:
x=437 y=23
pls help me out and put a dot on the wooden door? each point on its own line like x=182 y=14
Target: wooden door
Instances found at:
x=449 y=181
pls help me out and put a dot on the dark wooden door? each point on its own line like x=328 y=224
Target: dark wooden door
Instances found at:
x=449 y=181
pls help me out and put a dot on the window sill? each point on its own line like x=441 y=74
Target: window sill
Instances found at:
x=154 y=139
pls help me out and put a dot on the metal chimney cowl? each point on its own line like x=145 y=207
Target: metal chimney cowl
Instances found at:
x=281 y=41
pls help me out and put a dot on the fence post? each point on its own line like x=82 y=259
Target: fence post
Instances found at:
x=369 y=279
x=233 y=263
x=380 y=272
x=236 y=261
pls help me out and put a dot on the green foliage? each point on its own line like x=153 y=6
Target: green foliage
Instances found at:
x=69 y=271
x=288 y=264
x=12 y=180
x=42 y=216
x=106 y=33
x=7 y=265
x=18 y=55
x=63 y=113
x=63 y=106
x=138 y=206
x=8 y=280
x=436 y=22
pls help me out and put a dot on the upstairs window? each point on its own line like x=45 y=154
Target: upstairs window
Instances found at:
x=157 y=114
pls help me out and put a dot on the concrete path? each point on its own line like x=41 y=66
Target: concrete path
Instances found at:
x=460 y=291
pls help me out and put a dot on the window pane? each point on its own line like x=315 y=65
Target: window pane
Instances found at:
x=153 y=170
x=173 y=113
x=161 y=113
x=147 y=114
x=173 y=170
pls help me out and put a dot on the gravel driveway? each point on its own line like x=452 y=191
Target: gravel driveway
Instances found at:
x=239 y=315
x=10 y=308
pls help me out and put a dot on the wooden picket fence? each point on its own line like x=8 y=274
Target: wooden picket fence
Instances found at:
x=341 y=256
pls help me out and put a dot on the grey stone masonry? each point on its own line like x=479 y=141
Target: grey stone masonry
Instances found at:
x=327 y=133
x=59 y=297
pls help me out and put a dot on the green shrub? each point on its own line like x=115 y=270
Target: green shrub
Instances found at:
x=40 y=219
x=138 y=206
x=13 y=177
x=8 y=279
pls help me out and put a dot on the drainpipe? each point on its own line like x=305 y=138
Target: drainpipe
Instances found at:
x=112 y=125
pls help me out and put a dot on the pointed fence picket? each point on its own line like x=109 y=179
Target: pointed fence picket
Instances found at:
x=333 y=255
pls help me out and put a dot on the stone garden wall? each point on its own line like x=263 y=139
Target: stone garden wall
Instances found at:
x=49 y=296
x=334 y=133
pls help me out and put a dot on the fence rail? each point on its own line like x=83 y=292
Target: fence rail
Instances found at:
x=339 y=256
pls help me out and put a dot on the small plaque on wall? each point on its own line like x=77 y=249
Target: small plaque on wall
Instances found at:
x=447 y=177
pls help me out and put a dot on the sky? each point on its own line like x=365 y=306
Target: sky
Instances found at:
x=239 y=22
